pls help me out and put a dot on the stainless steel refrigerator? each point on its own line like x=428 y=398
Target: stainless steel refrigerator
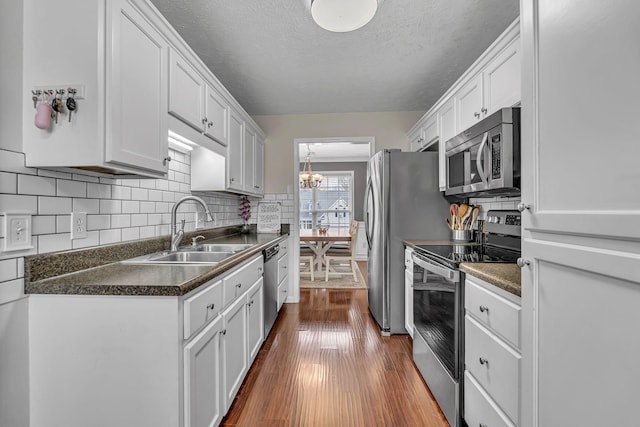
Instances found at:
x=402 y=202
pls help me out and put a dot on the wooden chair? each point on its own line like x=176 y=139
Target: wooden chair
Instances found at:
x=346 y=246
x=307 y=257
x=343 y=257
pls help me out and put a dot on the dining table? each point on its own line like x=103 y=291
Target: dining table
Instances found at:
x=320 y=243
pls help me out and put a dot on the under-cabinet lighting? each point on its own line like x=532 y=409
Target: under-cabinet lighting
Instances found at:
x=180 y=143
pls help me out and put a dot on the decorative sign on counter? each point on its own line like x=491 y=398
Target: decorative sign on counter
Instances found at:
x=269 y=217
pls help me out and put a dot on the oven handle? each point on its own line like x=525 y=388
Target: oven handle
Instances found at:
x=452 y=275
x=479 y=166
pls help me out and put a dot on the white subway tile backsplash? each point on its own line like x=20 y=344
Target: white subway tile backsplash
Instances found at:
x=130 y=206
x=138 y=220
x=155 y=195
x=72 y=188
x=149 y=183
x=63 y=224
x=154 y=219
x=168 y=196
x=147 y=232
x=110 y=236
x=98 y=222
x=54 y=174
x=147 y=207
x=139 y=194
x=98 y=191
x=110 y=206
x=8 y=269
x=54 y=205
x=93 y=239
x=119 y=192
x=90 y=206
x=130 y=234
x=162 y=207
x=8 y=182
x=38 y=185
x=43 y=225
x=120 y=221
x=162 y=184
x=54 y=242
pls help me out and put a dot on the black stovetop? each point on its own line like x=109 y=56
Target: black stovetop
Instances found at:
x=452 y=255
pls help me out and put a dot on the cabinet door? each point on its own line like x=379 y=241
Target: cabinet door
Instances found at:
x=186 y=91
x=430 y=131
x=502 y=79
x=248 y=159
x=447 y=129
x=469 y=103
x=202 y=380
x=258 y=161
x=415 y=140
x=235 y=164
x=217 y=113
x=137 y=95
x=234 y=349
x=255 y=319
x=580 y=138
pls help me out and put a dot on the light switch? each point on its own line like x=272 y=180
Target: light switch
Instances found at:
x=78 y=225
x=17 y=232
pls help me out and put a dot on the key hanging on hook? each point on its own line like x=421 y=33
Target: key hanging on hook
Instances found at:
x=71 y=102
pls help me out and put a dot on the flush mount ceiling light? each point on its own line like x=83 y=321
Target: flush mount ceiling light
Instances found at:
x=341 y=16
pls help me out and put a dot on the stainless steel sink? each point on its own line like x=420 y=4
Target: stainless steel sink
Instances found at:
x=221 y=247
x=181 y=258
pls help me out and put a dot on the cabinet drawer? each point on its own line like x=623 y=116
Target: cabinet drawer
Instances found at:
x=283 y=268
x=283 y=290
x=479 y=409
x=238 y=282
x=494 y=365
x=493 y=311
x=284 y=248
x=202 y=307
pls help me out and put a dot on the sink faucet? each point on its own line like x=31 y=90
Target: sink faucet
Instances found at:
x=176 y=235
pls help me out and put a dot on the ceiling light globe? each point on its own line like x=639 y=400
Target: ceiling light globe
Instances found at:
x=343 y=15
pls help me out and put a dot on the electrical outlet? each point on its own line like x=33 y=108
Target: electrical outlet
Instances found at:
x=78 y=225
x=200 y=216
x=17 y=232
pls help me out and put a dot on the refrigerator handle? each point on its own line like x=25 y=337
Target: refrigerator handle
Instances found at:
x=367 y=221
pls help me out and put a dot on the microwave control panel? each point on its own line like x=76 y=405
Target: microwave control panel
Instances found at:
x=495 y=157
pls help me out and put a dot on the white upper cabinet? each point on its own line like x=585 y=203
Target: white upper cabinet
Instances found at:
x=501 y=79
x=217 y=115
x=258 y=162
x=235 y=161
x=424 y=133
x=196 y=102
x=447 y=129
x=248 y=153
x=186 y=91
x=469 y=103
x=121 y=61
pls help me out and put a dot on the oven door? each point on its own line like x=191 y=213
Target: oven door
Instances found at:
x=436 y=311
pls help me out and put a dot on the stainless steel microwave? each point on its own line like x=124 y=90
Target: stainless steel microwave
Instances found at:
x=485 y=159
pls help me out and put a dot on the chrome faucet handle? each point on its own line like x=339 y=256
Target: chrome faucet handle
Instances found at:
x=195 y=239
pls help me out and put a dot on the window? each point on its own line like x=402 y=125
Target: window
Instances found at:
x=329 y=205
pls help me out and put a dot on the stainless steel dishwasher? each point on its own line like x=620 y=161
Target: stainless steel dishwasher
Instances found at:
x=270 y=287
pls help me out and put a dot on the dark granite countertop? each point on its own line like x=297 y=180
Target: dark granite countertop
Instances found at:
x=504 y=276
x=118 y=278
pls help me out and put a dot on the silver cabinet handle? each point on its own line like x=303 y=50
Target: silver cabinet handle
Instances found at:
x=483 y=308
x=484 y=110
x=204 y=121
x=211 y=306
x=166 y=160
x=476 y=114
x=209 y=124
x=223 y=332
x=239 y=285
x=484 y=361
x=523 y=262
x=523 y=207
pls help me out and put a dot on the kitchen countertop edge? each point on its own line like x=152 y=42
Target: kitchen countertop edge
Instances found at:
x=64 y=285
x=503 y=275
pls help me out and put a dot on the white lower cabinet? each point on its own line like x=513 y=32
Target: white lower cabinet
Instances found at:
x=492 y=360
x=158 y=361
x=408 y=291
x=202 y=378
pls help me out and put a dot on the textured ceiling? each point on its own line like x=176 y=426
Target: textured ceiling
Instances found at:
x=274 y=59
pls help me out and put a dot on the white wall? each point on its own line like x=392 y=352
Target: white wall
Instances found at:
x=389 y=129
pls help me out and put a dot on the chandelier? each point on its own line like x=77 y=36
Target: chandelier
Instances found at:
x=308 y=179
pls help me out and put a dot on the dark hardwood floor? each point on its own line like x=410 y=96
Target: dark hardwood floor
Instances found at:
x=326 y=364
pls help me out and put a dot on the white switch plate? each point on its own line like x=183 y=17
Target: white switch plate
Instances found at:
x=78 y=225
x=17 y=232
